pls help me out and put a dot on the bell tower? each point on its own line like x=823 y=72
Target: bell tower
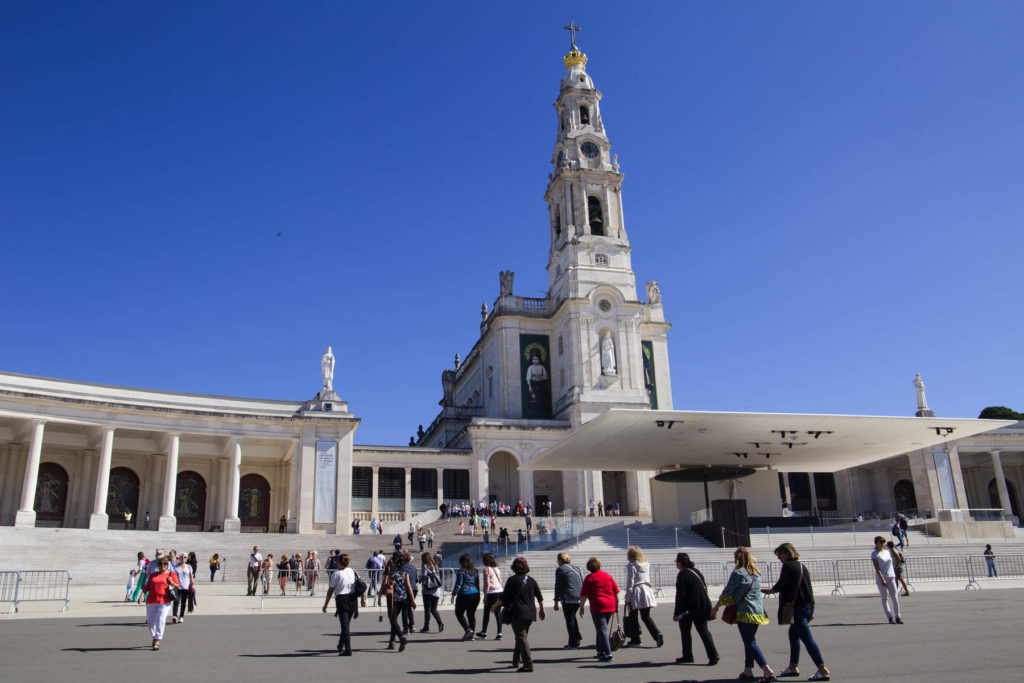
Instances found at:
x=589 y=246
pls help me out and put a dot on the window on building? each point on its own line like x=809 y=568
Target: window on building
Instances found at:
x=584 y=116
x=558 y=221
x=600 y=260
x=595 y=215
x=362 y=482
x=561 y=346
x=456 y=485
x=825 y=490
x=424 y=483
x=800 y=491
x=391 y=482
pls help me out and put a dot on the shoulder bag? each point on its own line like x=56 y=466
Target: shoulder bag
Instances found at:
x=729 y=613
x=786 y=609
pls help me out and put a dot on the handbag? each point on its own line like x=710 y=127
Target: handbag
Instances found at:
x=730 y=611
x=616 y=637
x=786 y=609
x=359 y=587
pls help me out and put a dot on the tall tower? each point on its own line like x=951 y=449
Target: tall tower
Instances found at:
x=589 y=246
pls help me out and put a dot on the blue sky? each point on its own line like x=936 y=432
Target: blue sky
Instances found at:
x=200 y=197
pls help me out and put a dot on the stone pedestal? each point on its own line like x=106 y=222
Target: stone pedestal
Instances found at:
x=25 y=518
x=232 y=525
x=168 y=523
x=98 y=520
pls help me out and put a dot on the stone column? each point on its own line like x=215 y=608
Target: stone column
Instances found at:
x=1004 y=492
x=98 y=518
x=83 y=504
x=26 y=516
x=167 y=519
x=526 y=488
x=294 y=475
x=219 y=492
x=440 y=485
x=156 y=466
x=232 y=524
x=958 y=476
x=374 y=482
x=408 y=492
x=7 y=504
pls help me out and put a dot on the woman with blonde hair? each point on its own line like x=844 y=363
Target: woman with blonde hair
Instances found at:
x=796 y=595
x=744 y=591
x=640 y=598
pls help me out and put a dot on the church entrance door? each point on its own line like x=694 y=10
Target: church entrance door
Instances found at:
x=503 y=478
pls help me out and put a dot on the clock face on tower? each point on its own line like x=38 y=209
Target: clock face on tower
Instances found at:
x=590 y=150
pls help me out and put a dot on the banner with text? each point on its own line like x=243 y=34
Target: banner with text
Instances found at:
x=326 y=490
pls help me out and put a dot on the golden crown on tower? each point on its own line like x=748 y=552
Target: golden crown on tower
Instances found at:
x=574 y=58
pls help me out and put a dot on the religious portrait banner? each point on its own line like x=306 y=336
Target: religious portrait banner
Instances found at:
x=326 y=488
x=535 y=375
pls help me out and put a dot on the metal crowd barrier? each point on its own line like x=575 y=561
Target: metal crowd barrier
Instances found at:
x=373 y=578
x=1002 y=566
x=35 y=586
x=939 y=568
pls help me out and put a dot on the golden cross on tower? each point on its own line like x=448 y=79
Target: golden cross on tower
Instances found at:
x=572 y=28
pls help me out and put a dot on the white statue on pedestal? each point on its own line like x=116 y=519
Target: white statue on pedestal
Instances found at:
x=327 y=370
x=922 y=402
x=607 y=354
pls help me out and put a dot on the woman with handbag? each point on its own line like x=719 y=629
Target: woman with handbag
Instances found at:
x=745 y=608
x=161 y=587
x=466 y=595
x=640 y=597
x=692 y=609
x=796 y=608
x=342 y=585
x=430 y=579
x=600 y=588
x=516 y=607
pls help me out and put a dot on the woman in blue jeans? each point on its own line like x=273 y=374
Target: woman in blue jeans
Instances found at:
x=794 y=585
x=744 y=591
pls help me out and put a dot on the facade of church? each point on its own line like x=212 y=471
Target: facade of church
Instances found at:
x=79 y=454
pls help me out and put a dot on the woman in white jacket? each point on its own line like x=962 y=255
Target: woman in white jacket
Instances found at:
x=639 y=597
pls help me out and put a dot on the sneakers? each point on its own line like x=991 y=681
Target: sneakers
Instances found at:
x=482 y=635
x=498 y=637
x=898 y=620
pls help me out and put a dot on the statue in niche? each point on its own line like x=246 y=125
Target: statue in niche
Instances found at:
x=327 y=370
x=653 y=292
x=922 y=402
x=506 y=277
x=608 y=355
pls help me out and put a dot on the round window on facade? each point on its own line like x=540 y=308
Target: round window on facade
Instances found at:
x=604 y=305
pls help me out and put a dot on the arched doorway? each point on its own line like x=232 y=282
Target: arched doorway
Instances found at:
x=904 y=496
x=122 y=494
x=993 y=497
x=614 y=488
x=51 y=494
x=254 y=502
x=190 y=501
x=547 y=486
x=503 y=479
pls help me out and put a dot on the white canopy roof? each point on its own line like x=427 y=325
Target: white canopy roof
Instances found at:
x=622 y=439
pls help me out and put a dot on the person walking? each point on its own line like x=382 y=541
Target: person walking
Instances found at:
x=990 y=561
x=399 y=590
x=601 y=590
x=158 y=599
x=568 y=582
x=899 y=566
x=253 y=570
x=312 y=571
x=885 y=581
x=516 y=606
x=492 y=594
x=466 y=595
x=342 y=585
x=744 y=591
x=183 y=574
x=430 y=579
x=795 y=593
x=692 y=609
x=640 y=598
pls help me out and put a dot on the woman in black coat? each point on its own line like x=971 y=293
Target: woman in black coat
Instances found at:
x=517 y=607
x=692 y=609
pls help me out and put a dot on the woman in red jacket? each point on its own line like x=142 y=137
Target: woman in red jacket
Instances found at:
x=158 y=600
x=599 y=587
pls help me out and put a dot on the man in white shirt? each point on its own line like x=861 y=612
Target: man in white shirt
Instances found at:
x=255 y=559
x=885 y=579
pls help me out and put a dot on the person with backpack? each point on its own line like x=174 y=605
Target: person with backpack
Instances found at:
x=398 y=590
x=430 y=579
x=347 y=588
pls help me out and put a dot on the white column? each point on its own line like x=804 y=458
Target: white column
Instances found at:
x=1004 y=492
x=83 y=504
x=294 y=476
x=408 y=492
x=440 y=485
x=167 y=520
x=231 y=522
x=526 y=488
x=8 y=505
x=374 y=482
x=98 y=518
x=26 y=516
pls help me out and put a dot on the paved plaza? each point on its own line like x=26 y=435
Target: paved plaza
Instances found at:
x=949 y=636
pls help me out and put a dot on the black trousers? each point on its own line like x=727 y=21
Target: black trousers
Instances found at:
x=408 y=617
x=397 y=608
x=489 y=601
x=465 y=610
x=345 y=637
x=572 y=624
x=180 y=605
x=430 y=608
x=521 y=654
x=701 y=626
x=632 y=625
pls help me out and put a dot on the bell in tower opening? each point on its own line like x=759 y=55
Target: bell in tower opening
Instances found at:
x=596 y=216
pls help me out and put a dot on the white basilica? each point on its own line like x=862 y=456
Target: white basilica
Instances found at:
x=75 y=454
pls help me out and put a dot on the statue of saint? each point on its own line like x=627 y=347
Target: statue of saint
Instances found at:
x=922 y=402
x=506 y=277
x=653 y=292
x=607 y=354
x=327 y=370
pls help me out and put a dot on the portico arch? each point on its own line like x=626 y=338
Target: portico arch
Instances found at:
x=122 y=495
x=190 y=501
x=51 y=494
x=904 y=496
x=614 y=490
x=503 y=478
x=254 y=502
x=547 y=486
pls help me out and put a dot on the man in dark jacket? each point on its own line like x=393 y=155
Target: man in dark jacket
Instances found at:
x=568 y=581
